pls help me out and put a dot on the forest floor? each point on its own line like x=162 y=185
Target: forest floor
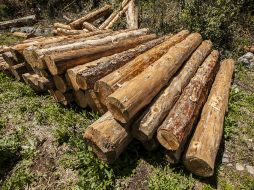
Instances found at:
x=41 y=146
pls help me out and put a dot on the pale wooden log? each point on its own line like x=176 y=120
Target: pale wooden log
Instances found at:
x=110 y=83
x=89 y=27
x=65 y=32
x=61 y=83
x=179 y=122
x=108 y=138
x=24 y=21
x=61 y=25
x=18 y=70
x=139 y=91
x=63 y=98
x=132 y=15
x=90 y=17
x=94 y=103
x=9 y=59
x=81 y=98
x=59 y=63
x=87 y=77
x=146 y=126
x=201 y=153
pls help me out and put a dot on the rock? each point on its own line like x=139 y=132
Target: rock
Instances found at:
x=247 y=59
x=239 y=167
x=225 y=160
x=250 y=169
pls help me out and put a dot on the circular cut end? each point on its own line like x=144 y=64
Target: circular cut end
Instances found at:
x=59 y=96
x=115 y=107
x=60 y=83
x=103 y=91
x=71 y=75
x=81 y=98
x=51 y=65
x=81 y=82
x=198 y=166
x=167 y=139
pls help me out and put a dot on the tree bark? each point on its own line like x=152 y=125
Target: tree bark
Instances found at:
x=139 y=91
x=201 y=153
x=87 y=78
x=89 y=27
x=90 y=17
x=59 y=63
x=146 y=126
x=110 y=83
x=81 y=98
x=63 y=26
x=179 y=123
x=108 y=138
x=132 y=15
x=25 y=21
x=61 y=83
x=94 y=103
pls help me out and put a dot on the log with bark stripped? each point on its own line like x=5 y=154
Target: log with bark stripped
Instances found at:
x=201 y=153
x=61 y=25
x=94 y=103
x=110 y=83
x=24 y=21
x=146 y=126
x=86 y=78
x=61 y=83
x=132 y=15
x=92 y=16
x=180 y=121
x=89 y=27
x=139 y=91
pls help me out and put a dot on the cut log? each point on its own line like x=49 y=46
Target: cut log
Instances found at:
x=81 y=98
x=201 y=153
x=87 y=77
x=89 y=27
x=146 y=126
x=9 y=59
x=181 y=119
x=18 y=70
x=59 y=63
x=108 y=84
x=92 y=16
x=132 y=15
x=63 y=26
x=66 y=32
x=23 y=35
x=94 y=103
x=108 y=138
x=24 y=21
x=63 y=98
x=139 y=91
x=61 y=83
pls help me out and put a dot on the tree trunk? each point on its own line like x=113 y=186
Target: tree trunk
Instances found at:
x=59 y=63
x=87 y=78
x=132 y=15
x=63 y=26
x=94 y=103
x=146 y=126
x=110 y=83
x=89 y=27
x=9 y=59
x=90 y=17
x=25 y=21
x=201 y=153
x=61 y=83
x=179 y=123
x=66 y=32
x=108 y=138
x=81 y=98
x=138 y=92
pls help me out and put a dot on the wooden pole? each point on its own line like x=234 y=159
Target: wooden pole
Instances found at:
x=201 y=153
x=179 y=123
x=110 y=83
x=146 y=126
x=139 y=91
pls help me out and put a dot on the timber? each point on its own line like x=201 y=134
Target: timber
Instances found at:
x=89 y=27
x=4 y=67
x=81 y=98
x=146 y=126
x=63 y=26
x=87 y=78
x=61 y=83
x=130 y=98
x=94 y=103
x=59 y=63
x=201 y=153
x=66 y=32
x=108 y=138
x=110 y=83
x=9 y=59
x=132 y=15
x=63 y=98
x=90 y=17
x=180 y=121
x=18 y=70
x=24 y=21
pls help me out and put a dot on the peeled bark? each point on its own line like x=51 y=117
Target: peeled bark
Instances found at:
x=61 y=83
x=108 y=138
x=63 y=26
x=146 y=126
x=110 y=83
x=139 y=91
x=90 y=17
x=81 y=98
x=94 y=103
x=87 y=78
x=9 y=59
x=201 y=153
x=59 y=63
x=89 y=27
x=132 y=15
x=179 y=123
x=24 y=21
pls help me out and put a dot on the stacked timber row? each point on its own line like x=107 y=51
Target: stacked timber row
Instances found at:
x=173 y=95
